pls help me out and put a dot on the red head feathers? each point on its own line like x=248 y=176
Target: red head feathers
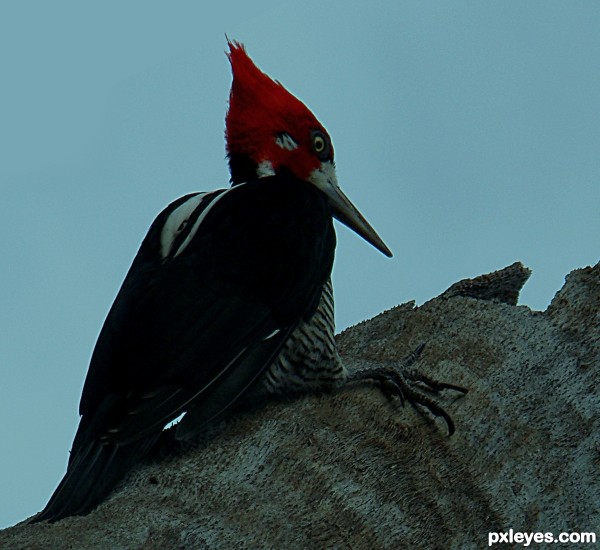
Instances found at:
x=267 y=123
x=268 y=130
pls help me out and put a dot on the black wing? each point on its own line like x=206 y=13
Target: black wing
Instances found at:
x=218 y=285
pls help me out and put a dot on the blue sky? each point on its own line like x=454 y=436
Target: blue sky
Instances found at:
x=468 y=133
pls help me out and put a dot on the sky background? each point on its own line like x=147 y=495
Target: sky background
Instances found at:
x=468 y=133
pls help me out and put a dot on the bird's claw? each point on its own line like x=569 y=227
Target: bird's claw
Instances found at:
x=410 y=384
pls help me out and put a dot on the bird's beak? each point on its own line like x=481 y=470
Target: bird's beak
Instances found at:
x=343 y=210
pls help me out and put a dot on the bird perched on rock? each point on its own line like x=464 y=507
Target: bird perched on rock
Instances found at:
x=228 y=296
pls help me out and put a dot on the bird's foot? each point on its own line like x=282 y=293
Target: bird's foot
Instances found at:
x=401 y=380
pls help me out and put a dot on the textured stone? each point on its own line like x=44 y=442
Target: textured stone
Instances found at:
x=355 y=470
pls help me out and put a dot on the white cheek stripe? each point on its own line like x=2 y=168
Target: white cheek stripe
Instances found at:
x=202 y=216
x=176 y=223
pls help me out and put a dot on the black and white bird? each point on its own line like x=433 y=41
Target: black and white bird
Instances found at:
x=229 y=293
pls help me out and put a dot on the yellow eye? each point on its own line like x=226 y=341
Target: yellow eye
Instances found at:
x=319 y=144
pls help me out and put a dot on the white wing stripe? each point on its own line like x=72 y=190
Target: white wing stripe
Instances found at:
x=176 y=222
x=202 y=216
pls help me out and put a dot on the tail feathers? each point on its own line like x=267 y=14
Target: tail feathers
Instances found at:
x=92 y=474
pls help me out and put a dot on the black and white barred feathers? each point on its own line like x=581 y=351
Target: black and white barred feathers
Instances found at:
x=309 y=359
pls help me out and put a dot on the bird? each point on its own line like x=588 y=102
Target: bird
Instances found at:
x=220 y=283
x=228 y=297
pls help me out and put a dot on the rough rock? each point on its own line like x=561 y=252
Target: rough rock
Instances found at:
x=356 y=470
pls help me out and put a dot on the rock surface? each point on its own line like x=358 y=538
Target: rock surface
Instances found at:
x=355 y=470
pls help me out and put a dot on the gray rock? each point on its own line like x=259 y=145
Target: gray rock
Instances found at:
x=356 y=470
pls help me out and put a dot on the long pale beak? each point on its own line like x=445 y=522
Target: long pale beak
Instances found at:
x=343 y=210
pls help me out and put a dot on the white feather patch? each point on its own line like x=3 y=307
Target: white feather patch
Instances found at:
x=202 y=216
x=285 y=141
x=176 y=223
x=264 y=169
x=276 y=331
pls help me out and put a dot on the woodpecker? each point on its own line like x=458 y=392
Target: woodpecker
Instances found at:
x=228 y=296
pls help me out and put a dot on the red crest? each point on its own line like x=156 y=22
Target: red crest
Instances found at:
x=260 y=109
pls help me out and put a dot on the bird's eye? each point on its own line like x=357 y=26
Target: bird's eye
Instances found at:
x=320 y=143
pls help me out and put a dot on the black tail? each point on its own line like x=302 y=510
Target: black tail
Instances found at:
x=92 y=474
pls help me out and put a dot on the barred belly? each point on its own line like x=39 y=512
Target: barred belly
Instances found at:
x=309 y=359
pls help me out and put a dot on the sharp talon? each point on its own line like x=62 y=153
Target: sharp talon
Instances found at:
x=450 y=424
x=410 y=385
x=438 y=411
x=452 y=387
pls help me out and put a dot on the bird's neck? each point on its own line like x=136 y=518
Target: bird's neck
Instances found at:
x=242 y=168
